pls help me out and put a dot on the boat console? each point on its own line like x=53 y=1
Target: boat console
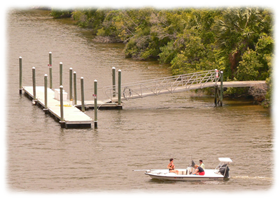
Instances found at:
x=188 y=171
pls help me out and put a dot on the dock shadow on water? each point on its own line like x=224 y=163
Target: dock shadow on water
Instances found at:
x=42 y=157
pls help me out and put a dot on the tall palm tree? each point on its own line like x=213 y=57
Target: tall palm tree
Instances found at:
x=237 y=30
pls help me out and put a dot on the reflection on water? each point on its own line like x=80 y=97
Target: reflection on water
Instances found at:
x=145 y=134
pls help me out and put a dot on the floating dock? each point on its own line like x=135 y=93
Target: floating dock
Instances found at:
x=67 y=113
x=73 y=117
x=55 y=102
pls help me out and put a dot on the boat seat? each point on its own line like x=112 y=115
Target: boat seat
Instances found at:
x=189 y=170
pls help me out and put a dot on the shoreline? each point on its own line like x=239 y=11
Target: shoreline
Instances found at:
x=111 y=39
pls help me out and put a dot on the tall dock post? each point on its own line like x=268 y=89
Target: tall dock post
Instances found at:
x=82 y=94
x=46 y=93
x=216 y=96
x=70 y=84
x=119 y=89
x=34 y=85
x=62 y=121
x=95 y=103
x=221 y=90
x=114 y=81
x=50 y=68
x=216 y=87
x=75 y=88
x=20 y=75
x=60 y=73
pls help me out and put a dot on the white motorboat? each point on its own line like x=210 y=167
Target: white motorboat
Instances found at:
x=219 y=173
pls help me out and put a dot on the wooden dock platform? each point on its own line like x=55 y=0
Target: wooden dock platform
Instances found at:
x=102 y=105
x=73 y=117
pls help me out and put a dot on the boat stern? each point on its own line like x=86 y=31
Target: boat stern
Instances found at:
x=223 y=167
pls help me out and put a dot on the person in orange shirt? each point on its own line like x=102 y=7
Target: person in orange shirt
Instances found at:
x=171 y=166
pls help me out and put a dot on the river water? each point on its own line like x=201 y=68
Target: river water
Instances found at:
x=42 y=157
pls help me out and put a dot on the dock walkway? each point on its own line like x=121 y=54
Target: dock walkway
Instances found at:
x=141 y=92
x=174 y=84
x=73 y=117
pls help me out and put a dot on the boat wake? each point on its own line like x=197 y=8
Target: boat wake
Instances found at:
x=256 y=177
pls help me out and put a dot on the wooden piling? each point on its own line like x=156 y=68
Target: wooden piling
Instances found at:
x=50 y=58
x=70 y=84
x=46 y=93
x=60 y=73
x=61 y=106
x=216 y=95
x=221 y=90
x=75 y=88
x=20 y=75
x=119 y=87
x=95 y=103
x=50 y=68
x=114 y=81
x=34 y=85
x=82 y=94
x=216 y=86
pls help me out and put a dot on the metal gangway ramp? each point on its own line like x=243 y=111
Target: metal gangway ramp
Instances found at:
x=164 y=85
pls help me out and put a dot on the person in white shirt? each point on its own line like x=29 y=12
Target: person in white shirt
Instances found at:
x=201 y=164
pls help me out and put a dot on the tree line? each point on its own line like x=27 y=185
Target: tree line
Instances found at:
x=238 y=41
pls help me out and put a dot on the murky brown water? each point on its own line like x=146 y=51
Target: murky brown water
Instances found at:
x=42 y=157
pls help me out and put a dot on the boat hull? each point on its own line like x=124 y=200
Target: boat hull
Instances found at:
x=178 y=178
x=165 y=175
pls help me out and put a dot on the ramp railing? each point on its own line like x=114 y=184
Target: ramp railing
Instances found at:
x=171 y=84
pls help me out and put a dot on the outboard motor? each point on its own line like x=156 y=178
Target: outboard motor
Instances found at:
x=189 y=170
x=224 y=170
x=193 y=164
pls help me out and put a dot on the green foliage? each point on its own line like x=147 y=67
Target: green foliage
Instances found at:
x=167 y=53
x=255 y=65
x=131 y=50
x=61 y=9
x=273 y=92
x=239 y=29
x=236 y=40
x=273 y=81
x=265 y=44
x=249 y=67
